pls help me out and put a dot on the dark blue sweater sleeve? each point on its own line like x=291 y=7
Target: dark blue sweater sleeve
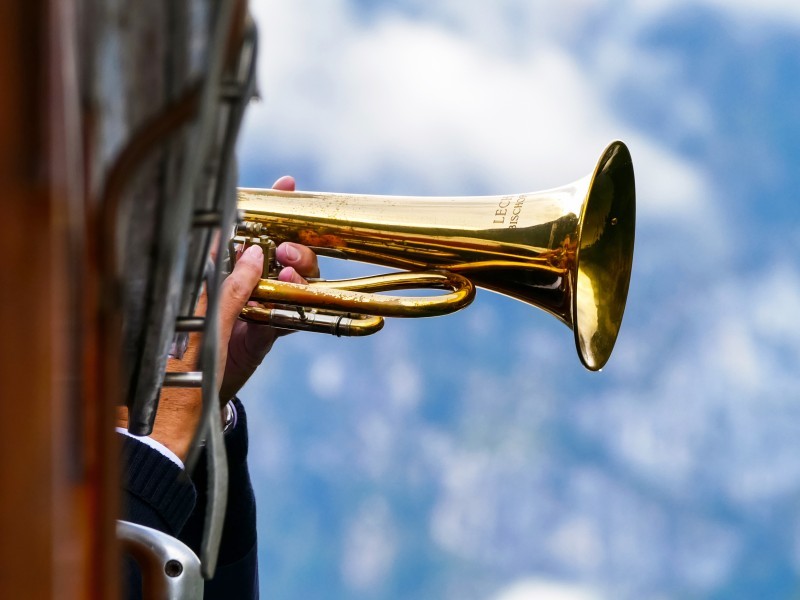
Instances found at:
x=237 y=567
x=158 y=495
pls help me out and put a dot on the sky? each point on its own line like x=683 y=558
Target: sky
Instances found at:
x=472 y=456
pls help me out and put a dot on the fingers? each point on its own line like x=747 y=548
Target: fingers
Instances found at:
x=249 y=344
x=299 y=261
x=285 y=183
x=299 y=258
x=289 y=275
x=237 y=288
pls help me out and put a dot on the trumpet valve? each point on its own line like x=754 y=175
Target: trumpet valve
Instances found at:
x=271 y=266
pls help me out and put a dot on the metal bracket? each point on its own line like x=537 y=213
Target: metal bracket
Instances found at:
x=170 y=570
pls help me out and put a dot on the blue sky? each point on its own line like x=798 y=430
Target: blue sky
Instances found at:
x=472 y=456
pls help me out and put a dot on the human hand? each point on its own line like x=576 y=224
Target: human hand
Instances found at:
x=250 y=342
x=242 y=345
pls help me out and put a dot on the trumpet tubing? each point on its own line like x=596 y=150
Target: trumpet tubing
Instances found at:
x=567 y=250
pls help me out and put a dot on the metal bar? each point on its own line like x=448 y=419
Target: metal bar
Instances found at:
x=190 y=379
x=190 y=324
x=170 y=570
x=206 y=218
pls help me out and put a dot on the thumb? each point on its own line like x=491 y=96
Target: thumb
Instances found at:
x=236 y=291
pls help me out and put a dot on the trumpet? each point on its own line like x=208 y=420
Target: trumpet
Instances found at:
x=567 y=251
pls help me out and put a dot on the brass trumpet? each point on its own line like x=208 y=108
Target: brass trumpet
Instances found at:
x=566 y=250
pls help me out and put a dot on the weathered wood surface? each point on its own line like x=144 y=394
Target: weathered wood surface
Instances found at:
x=80 y=78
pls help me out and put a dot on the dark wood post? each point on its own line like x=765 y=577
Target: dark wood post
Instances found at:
x=58 y=463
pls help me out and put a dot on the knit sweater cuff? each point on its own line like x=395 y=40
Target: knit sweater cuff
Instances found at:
x=159 y=489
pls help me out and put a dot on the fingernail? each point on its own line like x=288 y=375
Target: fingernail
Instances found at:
x=292 y=253
x=253 y=251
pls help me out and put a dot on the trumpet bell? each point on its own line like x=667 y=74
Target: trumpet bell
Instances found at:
x=567 y=250
x=604 y=257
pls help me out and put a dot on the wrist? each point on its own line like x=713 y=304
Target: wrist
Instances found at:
x=177 y=420
x=179 y=413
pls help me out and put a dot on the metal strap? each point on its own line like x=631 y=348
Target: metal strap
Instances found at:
x=211 y=426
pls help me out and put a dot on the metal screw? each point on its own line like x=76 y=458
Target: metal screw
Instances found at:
x=173 y=568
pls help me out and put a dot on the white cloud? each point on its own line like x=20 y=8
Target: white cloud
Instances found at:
x=545 y=589
x=462 y=517
x=578 y=540
x=772 y=310
x=326 y=375
x=729 y=381
x=369 y=545
x=404 y=384
x=376 y=439
x=668 y=187
x=440 y=111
